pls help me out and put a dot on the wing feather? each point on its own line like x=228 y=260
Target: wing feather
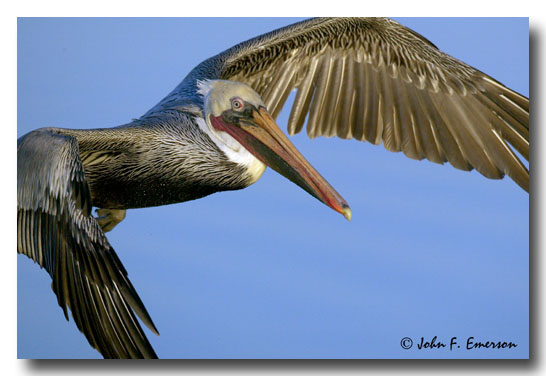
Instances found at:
x=375 y=80
x=346 y=94
x=300 y=108
x=55 y=229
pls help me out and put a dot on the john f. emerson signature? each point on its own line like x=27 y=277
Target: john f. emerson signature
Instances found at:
x=469 y=343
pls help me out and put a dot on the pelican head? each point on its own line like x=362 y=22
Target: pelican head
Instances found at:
x=238 y=121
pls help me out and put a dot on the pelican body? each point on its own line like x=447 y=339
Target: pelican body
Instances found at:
x=367 y=79
x=115 y=184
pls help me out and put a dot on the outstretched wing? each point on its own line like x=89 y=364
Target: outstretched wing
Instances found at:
x=55 y=228
x=375 y=80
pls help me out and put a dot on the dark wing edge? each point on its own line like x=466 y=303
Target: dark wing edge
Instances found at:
x=372 y=79
x=55 y=228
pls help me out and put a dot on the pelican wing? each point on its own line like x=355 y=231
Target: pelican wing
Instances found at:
x=375 y=80
x=55 y=228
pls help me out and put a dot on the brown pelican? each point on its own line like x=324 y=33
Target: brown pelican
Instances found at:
x=199 y=92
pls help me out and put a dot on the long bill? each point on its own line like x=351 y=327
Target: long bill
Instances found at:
x=265 y=140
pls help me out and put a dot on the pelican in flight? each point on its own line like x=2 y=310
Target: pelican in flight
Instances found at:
x=369 y=79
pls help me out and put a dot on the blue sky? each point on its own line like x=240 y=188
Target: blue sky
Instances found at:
x=269 y=272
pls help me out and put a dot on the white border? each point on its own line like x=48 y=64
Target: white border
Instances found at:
x=157 y=8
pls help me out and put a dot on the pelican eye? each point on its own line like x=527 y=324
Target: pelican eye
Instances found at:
x=237 y=104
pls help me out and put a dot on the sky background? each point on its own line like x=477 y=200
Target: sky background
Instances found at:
x=268 y=271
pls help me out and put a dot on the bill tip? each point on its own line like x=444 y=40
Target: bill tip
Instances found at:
x=347 y=213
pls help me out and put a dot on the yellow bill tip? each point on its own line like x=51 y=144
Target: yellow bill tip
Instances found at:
x=347 y=213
